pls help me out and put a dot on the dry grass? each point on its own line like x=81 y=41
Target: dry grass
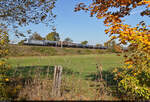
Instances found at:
x=38 y=89
x=72 y=88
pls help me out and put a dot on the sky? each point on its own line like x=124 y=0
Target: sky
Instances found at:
x=79 y=26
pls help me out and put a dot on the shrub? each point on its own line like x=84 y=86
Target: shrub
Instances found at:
x=3 y=63
x=136 y=73
x=79 y=51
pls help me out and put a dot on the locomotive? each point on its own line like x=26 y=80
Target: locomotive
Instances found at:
x=60 y=44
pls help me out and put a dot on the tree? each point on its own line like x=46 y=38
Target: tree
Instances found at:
x=99 y=45
x=118 y=48
x=3 y=62
x=19 y=13
x=111 y=44
x=115 y=47
x=53 y=36
x=134 y=78
x=68 y=39
x=106 y=44
x=22 y=12
x=84 y=42
x=35 y=36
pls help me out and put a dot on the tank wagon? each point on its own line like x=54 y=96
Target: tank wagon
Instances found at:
x=61 y=44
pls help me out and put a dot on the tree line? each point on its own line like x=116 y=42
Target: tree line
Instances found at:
x=54 y=36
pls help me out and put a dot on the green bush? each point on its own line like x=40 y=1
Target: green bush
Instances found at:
x=79 y=51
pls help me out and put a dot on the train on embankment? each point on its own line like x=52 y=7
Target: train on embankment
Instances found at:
x=61 y=44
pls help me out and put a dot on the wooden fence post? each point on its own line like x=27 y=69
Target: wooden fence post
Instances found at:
x=57 y=81
x=100 y=70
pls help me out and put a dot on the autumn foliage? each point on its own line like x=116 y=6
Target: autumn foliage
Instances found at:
x=3 y=63
x=134 y=78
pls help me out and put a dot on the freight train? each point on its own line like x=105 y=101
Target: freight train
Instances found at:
x=61 y=44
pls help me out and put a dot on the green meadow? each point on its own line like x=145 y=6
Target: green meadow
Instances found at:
x=79 y=77
x=79 y=63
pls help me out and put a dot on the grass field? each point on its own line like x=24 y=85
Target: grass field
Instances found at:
x=79 y=73
x=79 y=63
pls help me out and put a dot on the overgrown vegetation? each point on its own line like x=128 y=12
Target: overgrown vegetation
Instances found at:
x=80 y=81
x=16 y=50
x=134 y=78
x=3 y=62
x=77 y=84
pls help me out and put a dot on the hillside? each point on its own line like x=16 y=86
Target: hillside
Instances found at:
x=24 y=50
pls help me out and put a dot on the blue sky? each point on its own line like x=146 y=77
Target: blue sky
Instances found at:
x=79 y=26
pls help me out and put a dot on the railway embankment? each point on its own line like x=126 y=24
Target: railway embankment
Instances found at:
x=24 y=50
